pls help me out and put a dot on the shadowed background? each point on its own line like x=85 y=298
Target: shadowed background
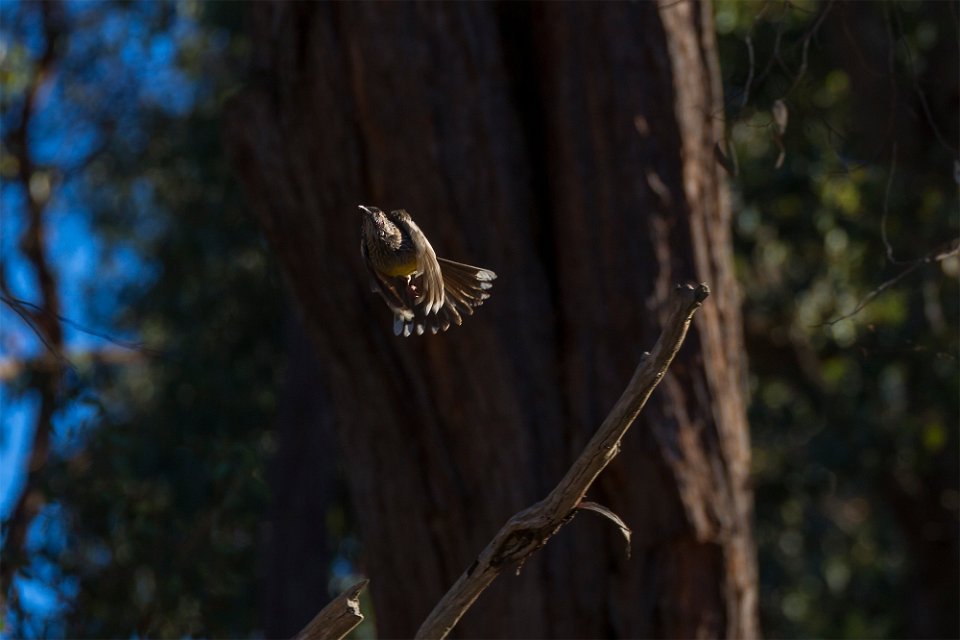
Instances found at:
x=272 y=440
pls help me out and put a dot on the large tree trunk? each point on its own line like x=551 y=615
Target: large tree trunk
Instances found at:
x=568 y=147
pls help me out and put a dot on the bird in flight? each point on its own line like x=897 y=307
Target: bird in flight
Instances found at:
x=425 y=293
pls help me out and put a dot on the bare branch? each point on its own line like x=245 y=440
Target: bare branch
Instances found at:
x=29 y=319
x=611 y=516
x=943 y=252
x=781 y=25
x=529 y=530
x=16 y=303
x=806 y=46
x=338 y=618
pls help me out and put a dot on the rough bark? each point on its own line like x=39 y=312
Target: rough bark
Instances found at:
x=569 y=147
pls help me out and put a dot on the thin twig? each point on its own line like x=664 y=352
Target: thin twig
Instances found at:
x=744 y=96
x=922 y=96
x=781 y=25
x=746 y=88
x=948 y=250
x=530 y=529
x=13 y=302
x=886 y=207
x=806 y=47
x=30 y=320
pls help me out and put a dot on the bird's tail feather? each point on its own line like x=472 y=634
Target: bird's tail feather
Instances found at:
x=466 y=285
x=465 y=288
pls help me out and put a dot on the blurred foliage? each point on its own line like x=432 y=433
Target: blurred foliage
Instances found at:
x=166 y=496
x=854 y=421
x=855 y=431
x=158 y=512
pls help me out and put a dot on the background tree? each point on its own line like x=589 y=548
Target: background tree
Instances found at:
x=854 y=417
x=570 y=148
x=147 y=517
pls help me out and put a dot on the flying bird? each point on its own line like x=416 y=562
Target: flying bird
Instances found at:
x=425 y=293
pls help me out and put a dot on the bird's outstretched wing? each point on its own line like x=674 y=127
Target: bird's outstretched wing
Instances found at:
x=465 y=288
x=431 y=279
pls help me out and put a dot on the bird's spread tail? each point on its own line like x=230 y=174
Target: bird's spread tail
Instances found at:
x=468 y=286
x=465 y=287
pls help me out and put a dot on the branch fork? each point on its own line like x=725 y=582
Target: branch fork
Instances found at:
x=530 y=529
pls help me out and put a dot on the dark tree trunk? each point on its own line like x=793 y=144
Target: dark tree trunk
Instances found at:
x=306 y=482
x=568 y=147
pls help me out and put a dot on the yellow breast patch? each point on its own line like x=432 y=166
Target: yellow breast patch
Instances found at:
x=400 y=267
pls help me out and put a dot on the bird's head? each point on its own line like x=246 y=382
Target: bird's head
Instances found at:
x=373 y=217
x=376 y=222
x=371 y=213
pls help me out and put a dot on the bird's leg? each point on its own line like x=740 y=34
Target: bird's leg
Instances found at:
x=415 y=294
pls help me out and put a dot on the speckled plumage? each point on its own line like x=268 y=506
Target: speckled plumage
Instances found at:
x=425 y=293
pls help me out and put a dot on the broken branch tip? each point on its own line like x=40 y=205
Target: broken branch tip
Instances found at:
x=700 y=291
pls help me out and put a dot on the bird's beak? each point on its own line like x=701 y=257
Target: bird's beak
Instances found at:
x=366 y=209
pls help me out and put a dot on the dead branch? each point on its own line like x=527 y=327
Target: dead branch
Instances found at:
x=529 y=530
x=338 y=618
